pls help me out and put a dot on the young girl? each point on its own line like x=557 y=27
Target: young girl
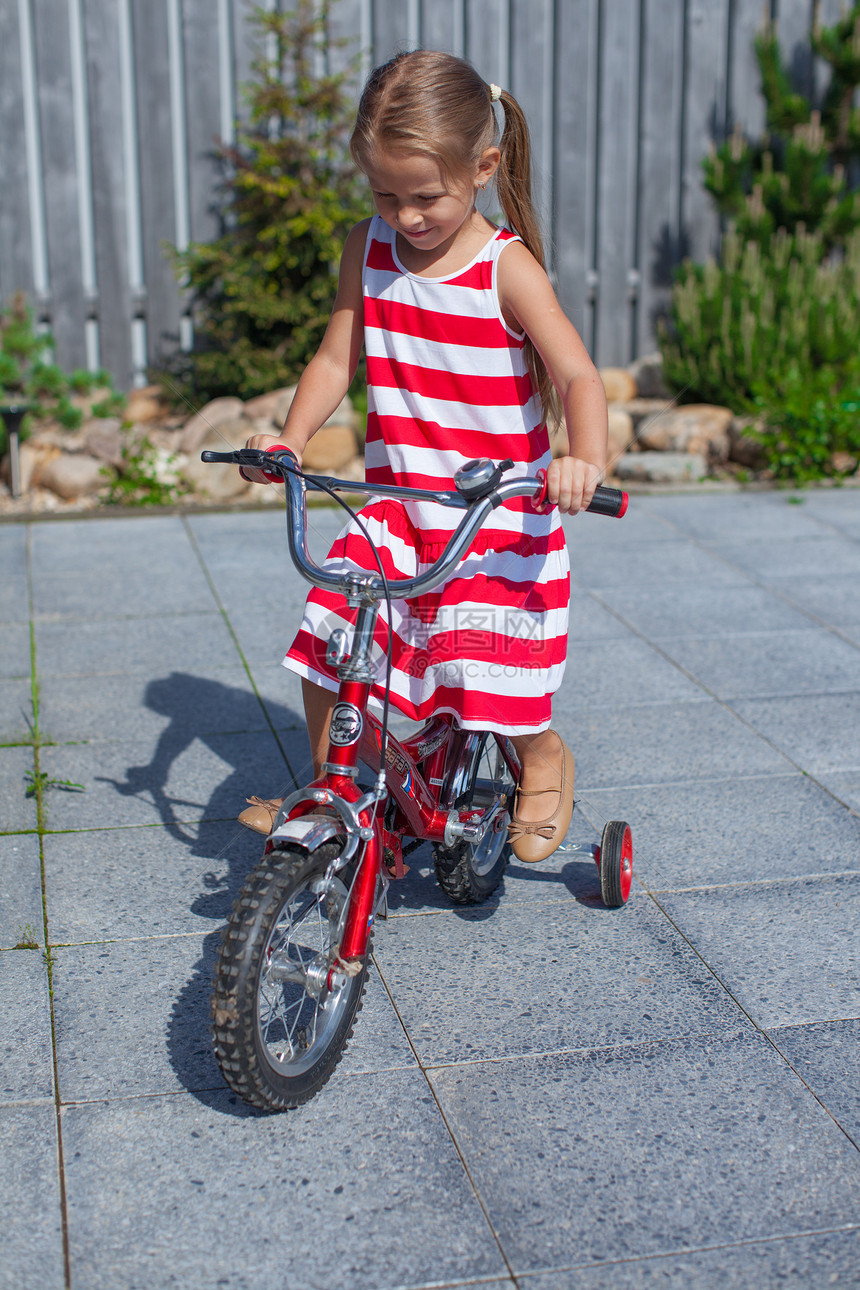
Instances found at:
x=468 y=354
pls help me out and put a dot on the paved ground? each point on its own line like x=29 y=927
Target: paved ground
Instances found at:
x=541 y=1093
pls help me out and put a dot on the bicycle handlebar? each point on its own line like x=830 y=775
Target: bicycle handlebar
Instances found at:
x=281 y=463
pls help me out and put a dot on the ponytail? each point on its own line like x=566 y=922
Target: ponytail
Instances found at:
x=514 y=187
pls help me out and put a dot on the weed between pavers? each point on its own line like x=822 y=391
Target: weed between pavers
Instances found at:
x=40 y=781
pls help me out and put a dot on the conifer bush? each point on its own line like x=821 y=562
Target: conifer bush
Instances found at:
x=261 y=294
x=773 y=329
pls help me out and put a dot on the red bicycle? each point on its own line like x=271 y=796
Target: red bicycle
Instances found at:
x=292 y=969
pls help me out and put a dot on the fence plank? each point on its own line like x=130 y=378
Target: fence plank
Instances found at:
x=53 y=68
x=704 y=114
x=203 y=115
x=488 y=40
x=158 y=199
x=746 y=103
x=391 y=29
x=442 y=25
x=101 y=28
x=574 y=168
x=697 y=71
x=616 y=197
x=660 y=243
x=16 y=250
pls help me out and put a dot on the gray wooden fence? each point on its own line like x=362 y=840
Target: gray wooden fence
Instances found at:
x=110 y=109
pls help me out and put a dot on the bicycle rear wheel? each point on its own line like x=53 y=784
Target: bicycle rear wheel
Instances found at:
x=280 y=1019
x=469 y=872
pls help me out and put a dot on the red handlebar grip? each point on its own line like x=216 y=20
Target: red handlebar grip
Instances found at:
x=606 y=501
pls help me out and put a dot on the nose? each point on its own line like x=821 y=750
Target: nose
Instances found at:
x=409 y=217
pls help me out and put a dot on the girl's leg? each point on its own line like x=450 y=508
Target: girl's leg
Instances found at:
x=544 y=801
x=319 y=704
x=260 y=813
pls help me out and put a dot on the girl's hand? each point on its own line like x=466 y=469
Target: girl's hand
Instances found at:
x=571 y=483
x=263 y=441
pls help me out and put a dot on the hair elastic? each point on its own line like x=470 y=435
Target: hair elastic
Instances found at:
x=495 y=92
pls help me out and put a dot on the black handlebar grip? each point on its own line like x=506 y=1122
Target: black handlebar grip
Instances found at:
x=209 y=455
x=608 y=501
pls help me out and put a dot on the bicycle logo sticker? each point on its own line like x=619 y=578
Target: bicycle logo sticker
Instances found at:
x=346 y=724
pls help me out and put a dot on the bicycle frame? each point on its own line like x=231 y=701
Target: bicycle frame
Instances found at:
x=423 y=776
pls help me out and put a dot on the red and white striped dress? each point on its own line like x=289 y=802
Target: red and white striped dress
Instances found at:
x=448 y=381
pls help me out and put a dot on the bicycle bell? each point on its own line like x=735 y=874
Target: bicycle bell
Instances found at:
x=479 y=477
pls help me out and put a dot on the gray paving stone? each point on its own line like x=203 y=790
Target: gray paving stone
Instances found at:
x=795 y=1263
x=264 y=632
x=780 y=563
x=26 y=1071
x=709 y=611
x=642 y=524
x=185 y=779
x=751 y=517
x=132 y=1019
x=534 y=978
x=29 y=1185
x=787 y=951
x=846 y=787
x=819 y=732
x=630 y=669
x=770 y=663
x=827 y=1057
x=620 y=1154
x=664 y=742
x=20 y=890
x=833 y=509
x=833 y=600
x=731 y=831
x=14 y=650
x=198 y=641
x=590 y=621
x=109 y=884
x=114 y=542
x=14 y=598
x=13 y=548
x=17 y=811
x=16 y=711
x=95 y=592
x=670 y=561
x=399 y=1208
x=129 y=707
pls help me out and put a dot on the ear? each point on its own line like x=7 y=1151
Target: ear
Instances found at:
x=487 y=167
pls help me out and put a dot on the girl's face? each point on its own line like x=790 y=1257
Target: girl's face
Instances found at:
x=416 y=198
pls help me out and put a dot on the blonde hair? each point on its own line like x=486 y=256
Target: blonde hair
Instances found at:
x=437 y=105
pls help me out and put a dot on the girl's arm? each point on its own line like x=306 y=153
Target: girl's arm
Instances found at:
x=328 y=375
x=528 y=303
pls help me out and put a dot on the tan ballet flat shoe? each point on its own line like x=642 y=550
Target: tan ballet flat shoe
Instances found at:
x=261 y=814
x=534 y=840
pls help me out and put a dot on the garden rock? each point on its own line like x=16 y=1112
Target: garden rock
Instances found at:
x=145 y=404
x=743 y=449
x=272 y=407
x=618 y=383
x=219 y=481
x=620 y=433
x=330 y=448
x=661 y=467
x=210 y=417
x=696 y=428
x=72 y=475
x=647 y=372
x=103 y=439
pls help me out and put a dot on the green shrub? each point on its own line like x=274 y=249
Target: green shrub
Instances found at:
x=773 y=330
x=28 y=376
x=262 y=293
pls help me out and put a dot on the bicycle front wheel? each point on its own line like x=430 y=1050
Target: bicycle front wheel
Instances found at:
x=469 y=872
x=280 y=1018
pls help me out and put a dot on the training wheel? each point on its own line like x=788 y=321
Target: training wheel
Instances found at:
x=616 y=863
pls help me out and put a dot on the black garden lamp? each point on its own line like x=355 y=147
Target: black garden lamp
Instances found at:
x=13 y=414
